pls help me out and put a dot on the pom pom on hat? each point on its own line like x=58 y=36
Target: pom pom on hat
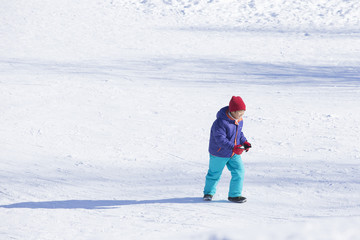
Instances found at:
x=236 y=104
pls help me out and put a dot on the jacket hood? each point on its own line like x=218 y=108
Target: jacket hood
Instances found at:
x=221 y=114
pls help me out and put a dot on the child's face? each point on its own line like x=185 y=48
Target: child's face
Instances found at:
x=238 y=114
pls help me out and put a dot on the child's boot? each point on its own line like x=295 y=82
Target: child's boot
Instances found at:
x=237 y=199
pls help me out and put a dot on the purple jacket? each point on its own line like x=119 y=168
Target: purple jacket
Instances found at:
x=225 y=134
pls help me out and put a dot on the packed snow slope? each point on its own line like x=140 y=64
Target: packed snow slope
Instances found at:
x=118 y=28
x=106 y=109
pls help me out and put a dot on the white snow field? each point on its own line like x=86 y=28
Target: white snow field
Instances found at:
x=106 y=109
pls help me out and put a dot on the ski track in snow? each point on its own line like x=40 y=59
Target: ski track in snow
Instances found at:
x=106 y=108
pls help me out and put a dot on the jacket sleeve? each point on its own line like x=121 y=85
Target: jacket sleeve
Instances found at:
x=219 y=133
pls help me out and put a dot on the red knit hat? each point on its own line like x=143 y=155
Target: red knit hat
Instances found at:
x=236 y=104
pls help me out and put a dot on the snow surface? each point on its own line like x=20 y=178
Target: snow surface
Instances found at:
x=106 y=108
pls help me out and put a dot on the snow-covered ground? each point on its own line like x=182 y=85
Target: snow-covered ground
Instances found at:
x=106 y=107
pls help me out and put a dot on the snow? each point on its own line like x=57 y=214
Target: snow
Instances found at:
x=106 y=108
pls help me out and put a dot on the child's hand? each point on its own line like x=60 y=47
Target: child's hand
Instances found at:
x=238 y=149
x=247 y=145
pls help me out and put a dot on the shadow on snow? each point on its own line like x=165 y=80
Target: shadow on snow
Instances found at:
x=199 y=71
x=97 y=204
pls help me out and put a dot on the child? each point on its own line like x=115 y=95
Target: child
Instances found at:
x=225 y=147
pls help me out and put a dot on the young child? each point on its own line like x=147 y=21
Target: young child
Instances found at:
x=227 y=142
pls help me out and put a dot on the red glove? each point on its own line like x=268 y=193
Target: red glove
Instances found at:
x=238 y=149
x=247 y=145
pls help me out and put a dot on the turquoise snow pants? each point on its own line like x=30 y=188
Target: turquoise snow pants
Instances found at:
x=216 y=166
